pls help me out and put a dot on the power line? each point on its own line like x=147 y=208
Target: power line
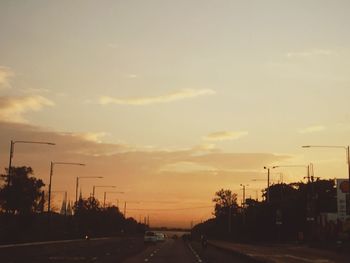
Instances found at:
x=169 y=209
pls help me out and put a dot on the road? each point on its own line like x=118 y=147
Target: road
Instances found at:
x=114 y=250
x=170 y=251
x=106 y=250
x=178 y=251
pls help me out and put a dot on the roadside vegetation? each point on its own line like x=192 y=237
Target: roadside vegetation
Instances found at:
x=24 y=217
x=295 y=212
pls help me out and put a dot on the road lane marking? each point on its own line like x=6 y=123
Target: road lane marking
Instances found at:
x=53 y=242
x=195 y=253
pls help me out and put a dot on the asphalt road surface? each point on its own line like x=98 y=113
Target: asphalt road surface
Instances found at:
x=170 y=251
x=114 y=250
x=178 y=251
x=106 y=250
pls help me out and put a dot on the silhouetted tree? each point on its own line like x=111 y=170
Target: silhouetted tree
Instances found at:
x=224 y=201
x=89 y=205
x=24 y=194
x=292 y=208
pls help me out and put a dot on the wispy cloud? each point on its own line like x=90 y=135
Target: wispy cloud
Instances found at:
x=131 y=76
x=5 y=75
x=35 y=90
x=93 y=136
x=310 y=53
x=170 y=97
x=311 y=129
x=185 y=167
x=225 y=135
x=12 y=109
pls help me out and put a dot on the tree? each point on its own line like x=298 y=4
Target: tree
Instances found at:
x=24 y=194
x=87 y=206
x=224 y=201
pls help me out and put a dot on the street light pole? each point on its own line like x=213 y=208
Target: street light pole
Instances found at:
x=268 y=182
x=50 y=182
x=10 y=163
x=347 y=149
x=135 y=202
x=12 y=149
x=77 y=184
x=105 y=196
x=244 y=186
x=101 y=186
x=301 y=165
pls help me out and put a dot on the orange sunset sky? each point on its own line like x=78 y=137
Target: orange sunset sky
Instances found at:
x=172 y=100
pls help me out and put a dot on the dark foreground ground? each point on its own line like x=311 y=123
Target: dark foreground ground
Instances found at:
x=94 y=250
x=126 y=250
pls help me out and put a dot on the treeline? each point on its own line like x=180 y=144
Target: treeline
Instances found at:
x=294 y=212
x=23 y=217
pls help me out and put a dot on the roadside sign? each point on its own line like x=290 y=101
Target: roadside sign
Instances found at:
x=342 y=202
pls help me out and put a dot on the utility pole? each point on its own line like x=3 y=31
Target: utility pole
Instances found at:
x=229 y=219
x=10 y=163
x=268 y=182
x=125 y=209
x=347 y=149
x=104 y=200
x=50 y=181
x=244 y=186
x=65 y=198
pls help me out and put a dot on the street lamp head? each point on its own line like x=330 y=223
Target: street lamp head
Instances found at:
x=306 y=146
x=51 y=143
x=265 y=167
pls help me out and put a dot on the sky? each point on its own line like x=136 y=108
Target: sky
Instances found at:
x=171 y=101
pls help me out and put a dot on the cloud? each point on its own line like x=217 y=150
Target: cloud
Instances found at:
x=310 y=53
x=93 y=136
x=170 y=97
x=5 y=75
x=132 y=76
x=156 y=174
x=35 y=90
x=13 y=108
x=205 y=147
x=225 y=135
x=185 y=167
x=311 y=129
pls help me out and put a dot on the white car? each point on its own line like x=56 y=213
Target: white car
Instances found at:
x=150 y=237
x=160 y=237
